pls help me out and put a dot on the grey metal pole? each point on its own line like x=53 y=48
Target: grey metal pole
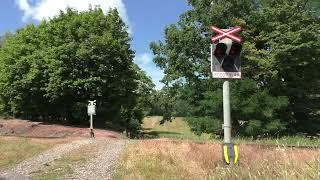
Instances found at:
x=226 y=112
x=91 y=125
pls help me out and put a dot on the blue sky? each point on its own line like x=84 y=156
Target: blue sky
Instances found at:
x=146 y=19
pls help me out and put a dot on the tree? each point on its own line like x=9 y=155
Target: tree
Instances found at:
x=280 y=58
x=5 y=37
x=51 y=70
x=145 y=90
x=289 y=48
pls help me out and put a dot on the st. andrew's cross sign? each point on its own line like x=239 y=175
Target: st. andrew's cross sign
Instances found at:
x=225 y=54
x=229 y=33
x=226 y=64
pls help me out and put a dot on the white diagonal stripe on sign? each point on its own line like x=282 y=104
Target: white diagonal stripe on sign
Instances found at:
x=228 y=33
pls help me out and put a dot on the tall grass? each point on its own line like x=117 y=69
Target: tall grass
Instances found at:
x=165 y=159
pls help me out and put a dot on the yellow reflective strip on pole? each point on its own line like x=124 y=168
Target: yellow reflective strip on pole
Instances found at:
x=236 y=154
x=225 y=153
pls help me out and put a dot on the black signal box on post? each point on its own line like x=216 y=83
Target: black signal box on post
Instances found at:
x=225 y=60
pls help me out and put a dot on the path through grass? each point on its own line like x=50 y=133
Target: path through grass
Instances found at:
x=63 y=166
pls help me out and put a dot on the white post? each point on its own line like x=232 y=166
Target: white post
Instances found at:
x=91 y=123
x=226 y=112
x=91 y=112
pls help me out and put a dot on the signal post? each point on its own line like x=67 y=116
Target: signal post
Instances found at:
x=226 y=65
x=91 y=111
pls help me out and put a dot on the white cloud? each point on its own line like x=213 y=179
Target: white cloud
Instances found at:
x=43 y=9
x=145 y=62
x=143 y=59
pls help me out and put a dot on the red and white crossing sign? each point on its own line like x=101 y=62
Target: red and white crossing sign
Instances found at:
x=222 y=33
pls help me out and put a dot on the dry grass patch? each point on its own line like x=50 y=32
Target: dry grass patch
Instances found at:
x=16 y=149
x=161 y=159
x=151 y=122
x=166 y=159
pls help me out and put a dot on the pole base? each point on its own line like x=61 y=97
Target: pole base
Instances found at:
x=230 y=153
x=91 y=133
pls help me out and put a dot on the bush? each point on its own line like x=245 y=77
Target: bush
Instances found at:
x=201 y=125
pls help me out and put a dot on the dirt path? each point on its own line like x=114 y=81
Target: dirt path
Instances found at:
x=103 y=164
x=109 y=143
x=25 y=168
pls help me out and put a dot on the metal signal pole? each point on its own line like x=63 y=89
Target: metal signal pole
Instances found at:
x=226 y=112
x=230 y=152
x=225 y=64
x=91 y=124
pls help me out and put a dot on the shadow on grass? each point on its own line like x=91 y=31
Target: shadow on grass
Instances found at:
x=157 y=134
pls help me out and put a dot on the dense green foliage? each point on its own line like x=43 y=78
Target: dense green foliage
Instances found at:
x=51 y=70
x=279 y=92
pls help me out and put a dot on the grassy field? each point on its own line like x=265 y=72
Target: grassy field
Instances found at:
x=174 y=156
x=283 y=141
x=177 y=129
x=16 y=149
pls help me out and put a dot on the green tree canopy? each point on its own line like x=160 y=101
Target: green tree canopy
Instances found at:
x=280 y=63
x=51 y=70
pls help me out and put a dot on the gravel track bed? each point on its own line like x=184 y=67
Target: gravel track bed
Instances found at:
x=25 y=168
x=102 y=165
